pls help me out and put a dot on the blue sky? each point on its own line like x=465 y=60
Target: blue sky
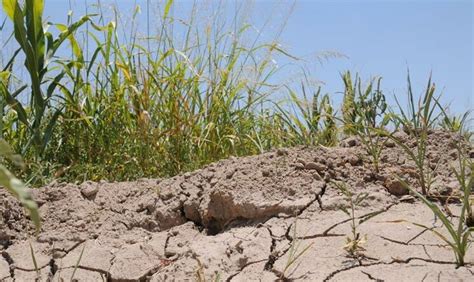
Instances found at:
x=385 y=37
x=377 y=38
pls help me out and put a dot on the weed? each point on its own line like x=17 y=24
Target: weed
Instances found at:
x=367 y=116
x=455 y=123
x=417 y=122
x=418 y=155
x=421 y=116
x=294 y=252
x=348 y=103
x=461 y=234
x=310 y=121
x=141 y=113
x=354 y=242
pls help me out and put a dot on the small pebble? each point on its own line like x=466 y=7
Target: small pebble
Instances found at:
x=389 y=144
x=282 y=152
x=301 y=161
x=299 y=166
x=315 y=166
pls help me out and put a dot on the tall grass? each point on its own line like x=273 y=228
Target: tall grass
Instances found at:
x=129 y=112
x=107 y=102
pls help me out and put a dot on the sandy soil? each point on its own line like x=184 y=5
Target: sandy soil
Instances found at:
x=241 y=219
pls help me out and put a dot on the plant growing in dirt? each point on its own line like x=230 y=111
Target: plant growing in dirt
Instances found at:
x=144 y=106
x=364 y=115
x=348 y=103
x=421 y=115
x=311 y=120
x=201 y=276
x=354 y=241
x=417 y=121
x=39 y=47
x=460 y=236
x=295 y=252
x=456 y=123
x=16 y=186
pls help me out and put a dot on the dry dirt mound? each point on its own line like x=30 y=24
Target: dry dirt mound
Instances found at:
x=239 y=219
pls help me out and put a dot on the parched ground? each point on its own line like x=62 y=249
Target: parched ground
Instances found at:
x=274 y=216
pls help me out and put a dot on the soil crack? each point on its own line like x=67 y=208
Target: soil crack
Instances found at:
x=394 y=261
x=371 y=277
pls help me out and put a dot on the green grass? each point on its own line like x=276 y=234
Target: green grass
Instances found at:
x=120 y=107
x=128 y=112
x=364 y=115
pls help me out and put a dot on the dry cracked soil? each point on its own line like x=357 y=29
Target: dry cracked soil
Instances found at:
x=274 y=216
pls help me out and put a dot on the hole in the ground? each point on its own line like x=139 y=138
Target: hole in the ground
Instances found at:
x=213 y=227
x=53 y=267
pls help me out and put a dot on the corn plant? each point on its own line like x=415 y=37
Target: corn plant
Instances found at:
x=39 y=47
x=460 y=236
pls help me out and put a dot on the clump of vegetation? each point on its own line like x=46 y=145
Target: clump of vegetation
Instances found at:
x=348 y=103
x=137 y=108
x=460 y=233
x=354 y=242
x=419 y=119
x=120 y=106
x=311 y=119
x=364 y=115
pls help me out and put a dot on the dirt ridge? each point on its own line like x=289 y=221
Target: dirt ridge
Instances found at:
x=237 y=219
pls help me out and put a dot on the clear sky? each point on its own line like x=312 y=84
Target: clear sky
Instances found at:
x=383 y=37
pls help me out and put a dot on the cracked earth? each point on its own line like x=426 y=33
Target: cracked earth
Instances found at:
x=274 y=216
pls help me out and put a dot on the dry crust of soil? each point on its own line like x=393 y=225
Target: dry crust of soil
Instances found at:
x=241 y=219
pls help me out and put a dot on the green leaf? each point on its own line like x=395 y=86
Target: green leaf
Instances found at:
x=167 y=8
x=14 y=103
x=66 y=33
x=76 y=49
x=9 y=7
x=49 y=129
x=19 y=191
